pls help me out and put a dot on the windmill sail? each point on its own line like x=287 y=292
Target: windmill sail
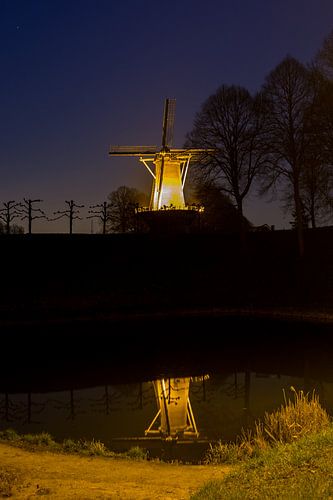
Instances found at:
x=168 y=123
x=132 y=150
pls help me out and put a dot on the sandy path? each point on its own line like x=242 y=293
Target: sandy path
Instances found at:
x=49 y=475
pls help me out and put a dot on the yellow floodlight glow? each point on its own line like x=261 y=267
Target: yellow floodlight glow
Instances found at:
x=168 y=166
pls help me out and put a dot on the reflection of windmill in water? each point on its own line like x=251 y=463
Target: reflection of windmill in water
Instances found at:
x=174 y=418
x=168 y=167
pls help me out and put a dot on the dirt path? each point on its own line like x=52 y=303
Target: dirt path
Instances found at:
x=49 y=475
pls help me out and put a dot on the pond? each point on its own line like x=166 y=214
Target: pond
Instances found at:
x=170 y=402
x=120 y=415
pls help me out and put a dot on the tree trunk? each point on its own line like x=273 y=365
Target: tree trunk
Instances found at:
x=29 y=217
x=313 y=216
x=240 y=214
x=299 y=219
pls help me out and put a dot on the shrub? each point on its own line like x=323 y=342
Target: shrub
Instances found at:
x=43 y=438
x=95 y=448
x=9 y=435
x=137 y=453
x=71 y=446
x=224 y=452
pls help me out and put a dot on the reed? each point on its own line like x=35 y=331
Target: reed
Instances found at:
x=299 y=415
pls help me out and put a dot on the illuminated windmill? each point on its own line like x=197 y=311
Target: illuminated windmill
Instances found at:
x=168 y=166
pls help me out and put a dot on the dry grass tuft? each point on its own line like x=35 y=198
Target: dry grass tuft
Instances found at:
x=297 y=417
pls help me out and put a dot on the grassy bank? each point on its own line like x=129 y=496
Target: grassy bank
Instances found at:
x=289 y=454
x=299 y=470
x=45 y=442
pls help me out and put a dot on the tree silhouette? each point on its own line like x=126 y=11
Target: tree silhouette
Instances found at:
x=324 y=57
x=316 y=183
x=30 y=408
x=108 y=402
x=316 y=191
x=72 y=406
x=231 y=124
x=8 y=409
x=288 y=95
x=9 y=213
x=142 y=396
x=220 y=215
x=29 y=212
x=70 y=212
x=122 y=206
x=101 y=212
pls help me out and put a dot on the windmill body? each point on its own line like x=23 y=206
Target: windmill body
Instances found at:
x=167 y=166
x=167 y=186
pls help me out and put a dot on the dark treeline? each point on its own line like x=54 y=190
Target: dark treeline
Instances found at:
x=52 y=275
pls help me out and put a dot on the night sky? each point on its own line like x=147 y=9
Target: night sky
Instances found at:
x=79 y=75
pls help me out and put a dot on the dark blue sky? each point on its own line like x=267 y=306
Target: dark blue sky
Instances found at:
x=79 y=75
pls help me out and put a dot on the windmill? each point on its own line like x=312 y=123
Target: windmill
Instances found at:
x=168 y=166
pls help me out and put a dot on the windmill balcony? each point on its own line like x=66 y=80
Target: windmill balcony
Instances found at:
x=196 y=208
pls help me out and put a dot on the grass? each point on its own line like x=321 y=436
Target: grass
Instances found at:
x=299 y=470
x=289 y=455
x=137 y=453
x=44 y=441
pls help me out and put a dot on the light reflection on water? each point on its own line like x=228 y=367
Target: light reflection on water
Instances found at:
x=222 y=405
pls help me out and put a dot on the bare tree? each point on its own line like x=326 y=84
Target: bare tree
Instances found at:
x=316 y=192
x=9 y=213
x=71 y=212
x=324 y=57
x=101 y=212
x=28 y=211
x=122 y=209
x=230 y=123
x=317 y=177
x=288 y=95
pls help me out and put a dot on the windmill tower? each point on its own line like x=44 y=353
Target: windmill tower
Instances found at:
x=168 y=166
